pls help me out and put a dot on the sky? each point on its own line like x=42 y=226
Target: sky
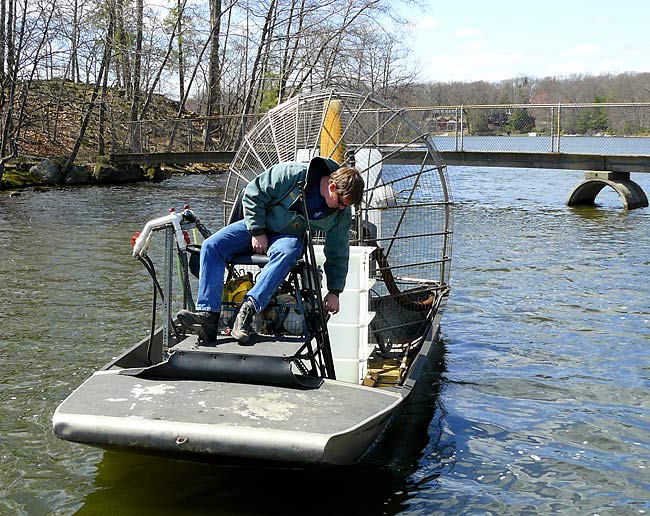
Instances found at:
x=498 y=40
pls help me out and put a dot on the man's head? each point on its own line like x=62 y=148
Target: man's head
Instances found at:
x=347 y=185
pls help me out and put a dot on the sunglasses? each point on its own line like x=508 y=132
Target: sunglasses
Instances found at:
x=341 y=204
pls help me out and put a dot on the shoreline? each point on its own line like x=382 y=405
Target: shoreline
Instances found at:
x=46 y=173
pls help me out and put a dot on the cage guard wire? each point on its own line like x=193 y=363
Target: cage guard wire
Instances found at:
x=406 y=209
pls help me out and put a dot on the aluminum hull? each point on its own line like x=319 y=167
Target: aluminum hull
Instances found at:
x=335 y=424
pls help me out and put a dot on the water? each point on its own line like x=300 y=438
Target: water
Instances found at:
x=543 y=406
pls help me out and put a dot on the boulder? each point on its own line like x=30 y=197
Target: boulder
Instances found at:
x=47 y=172
x=156 y=173
x=78 y=175
x=107 y=173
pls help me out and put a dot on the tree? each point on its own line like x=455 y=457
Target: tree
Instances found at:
x=213 y=107
x=110 y=32
x=180 y=50
x=287 y=45
x=478 y=121
x=521 y=121
x=25 y=37
x=592 y=120
x=136 y=144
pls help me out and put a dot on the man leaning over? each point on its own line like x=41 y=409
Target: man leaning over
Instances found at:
x=274 y=224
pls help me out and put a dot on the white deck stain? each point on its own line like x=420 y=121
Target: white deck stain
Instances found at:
x=142 y=393
x=267 y=406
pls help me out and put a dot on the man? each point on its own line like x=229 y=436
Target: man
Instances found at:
x=274 y=224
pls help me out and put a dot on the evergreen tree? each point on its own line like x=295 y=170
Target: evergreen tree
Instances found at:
x=521 y=121
x=593 y=120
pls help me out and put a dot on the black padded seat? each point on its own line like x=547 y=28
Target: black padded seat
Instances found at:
x=250 y=259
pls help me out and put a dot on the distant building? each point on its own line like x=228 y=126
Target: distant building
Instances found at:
x=441 y=123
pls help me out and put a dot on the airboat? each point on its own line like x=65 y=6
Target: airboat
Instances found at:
x=312 y=388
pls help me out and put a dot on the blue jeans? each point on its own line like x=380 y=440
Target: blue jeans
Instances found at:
x=284 y=251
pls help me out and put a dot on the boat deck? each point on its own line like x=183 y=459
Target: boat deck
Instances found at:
x=332 y=424
x=284 y=346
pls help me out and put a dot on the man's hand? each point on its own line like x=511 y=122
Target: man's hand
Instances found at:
x=260 y=244
x=331 y=303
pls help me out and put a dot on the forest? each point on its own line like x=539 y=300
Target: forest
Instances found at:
x=75 y=75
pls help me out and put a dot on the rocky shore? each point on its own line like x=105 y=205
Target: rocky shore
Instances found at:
x=50 y=172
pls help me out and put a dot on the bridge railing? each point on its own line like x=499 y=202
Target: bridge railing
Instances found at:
x=220 y=133
x=609 y=129
x=615 y=129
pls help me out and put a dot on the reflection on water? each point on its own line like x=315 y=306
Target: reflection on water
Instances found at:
x=542 y=406
x=128 y=484
x=135 y=484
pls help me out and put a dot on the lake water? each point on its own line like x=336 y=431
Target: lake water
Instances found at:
x=541 y=407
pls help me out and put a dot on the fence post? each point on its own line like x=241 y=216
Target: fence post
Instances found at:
x=552 y=120
x=559 y=126
x=457 y=117
x=462 y=127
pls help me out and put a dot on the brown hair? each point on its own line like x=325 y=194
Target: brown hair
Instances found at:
x=349 y=183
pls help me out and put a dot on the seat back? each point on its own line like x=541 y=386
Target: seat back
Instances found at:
x=237 y=212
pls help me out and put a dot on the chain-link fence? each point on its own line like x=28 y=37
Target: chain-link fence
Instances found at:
x=611 y=129
x=222 y=133
x=608 y=129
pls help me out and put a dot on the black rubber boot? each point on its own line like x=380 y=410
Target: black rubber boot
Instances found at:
x=204 y=324
x=242 y=328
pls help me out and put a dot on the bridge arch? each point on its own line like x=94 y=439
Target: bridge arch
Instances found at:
x=630 y=192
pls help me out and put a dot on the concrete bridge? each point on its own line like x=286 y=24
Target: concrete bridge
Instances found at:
x=477 y=136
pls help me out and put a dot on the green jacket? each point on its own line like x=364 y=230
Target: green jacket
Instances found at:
x=270 y=202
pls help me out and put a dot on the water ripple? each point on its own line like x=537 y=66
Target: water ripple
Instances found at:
x=542 y=408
